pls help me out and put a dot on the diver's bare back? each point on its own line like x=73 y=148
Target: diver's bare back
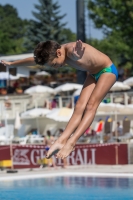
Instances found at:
x=92 y=60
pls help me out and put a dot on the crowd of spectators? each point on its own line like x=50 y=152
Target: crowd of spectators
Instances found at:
x=18 y=86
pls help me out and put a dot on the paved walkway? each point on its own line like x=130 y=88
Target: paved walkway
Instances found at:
x=90 y=170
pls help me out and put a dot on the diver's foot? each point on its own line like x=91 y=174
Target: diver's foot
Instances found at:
x=66 y=150
x=55 y=148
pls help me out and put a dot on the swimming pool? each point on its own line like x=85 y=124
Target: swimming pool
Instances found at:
x=68 y=188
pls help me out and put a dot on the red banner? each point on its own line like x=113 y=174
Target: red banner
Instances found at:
x=27 y=156
x=5 y=152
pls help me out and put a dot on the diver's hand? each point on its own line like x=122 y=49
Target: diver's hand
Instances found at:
x=78 y=50
x=6 y=63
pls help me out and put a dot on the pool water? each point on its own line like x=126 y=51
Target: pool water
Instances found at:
x=67 y=188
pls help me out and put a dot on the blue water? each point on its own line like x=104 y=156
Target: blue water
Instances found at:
x=68 y=188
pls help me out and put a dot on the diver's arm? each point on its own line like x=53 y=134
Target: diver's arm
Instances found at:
x=25 y=62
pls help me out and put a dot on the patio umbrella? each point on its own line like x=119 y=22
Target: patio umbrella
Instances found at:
x=68 y=87
x=43 y=73
x=109 y=107
x=11 y=77
x=128 y=109
x=21 y=75
x=129 y=81
x=115 y=108
x=60 y=114
x=39 y=89
x=35 y=112
x=119 y=86
x=6 y=76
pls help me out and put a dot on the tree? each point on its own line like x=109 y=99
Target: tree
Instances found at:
x=115 y=17
x=70 y=36
x=107 y=46
x=46 y=25
x=11 y=30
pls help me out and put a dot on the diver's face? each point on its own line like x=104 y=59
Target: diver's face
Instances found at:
x=59 y=61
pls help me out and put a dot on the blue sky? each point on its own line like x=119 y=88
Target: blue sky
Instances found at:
x=25 y=8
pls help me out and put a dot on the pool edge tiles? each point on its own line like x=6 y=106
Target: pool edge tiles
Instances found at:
x=48 y=175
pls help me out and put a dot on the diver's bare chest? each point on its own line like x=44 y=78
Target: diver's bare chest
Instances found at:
x=77 y=65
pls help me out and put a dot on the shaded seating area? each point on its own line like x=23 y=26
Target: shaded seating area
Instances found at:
x=127 y=132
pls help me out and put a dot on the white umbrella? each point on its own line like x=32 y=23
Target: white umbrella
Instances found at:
x=35 y=112
x=77 y=92
x=11 y=77
x=43 y=73
x=68 y=87
x=129 y=81
x=109 y=107
x=118 y=86
x=6 y=76
x=128 y=109
x=115 y=108
x=22 y=75
x=39 y=89
x=60 y=114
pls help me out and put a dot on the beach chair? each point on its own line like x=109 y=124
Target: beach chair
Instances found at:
x=108 y=125
x=23 y=140
x=126 y=125
x=131 y=126
x=131 y=140
x=127 y=135
x=33 y=139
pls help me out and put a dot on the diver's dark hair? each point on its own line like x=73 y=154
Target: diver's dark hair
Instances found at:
x=45 y=51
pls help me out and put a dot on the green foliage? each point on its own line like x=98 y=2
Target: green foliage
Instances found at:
x=11 y=30
x=70 y=36
x=111 y=46
x=46 y=25
x=115 y=17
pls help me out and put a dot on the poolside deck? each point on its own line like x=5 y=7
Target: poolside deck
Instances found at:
x=89 y=170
